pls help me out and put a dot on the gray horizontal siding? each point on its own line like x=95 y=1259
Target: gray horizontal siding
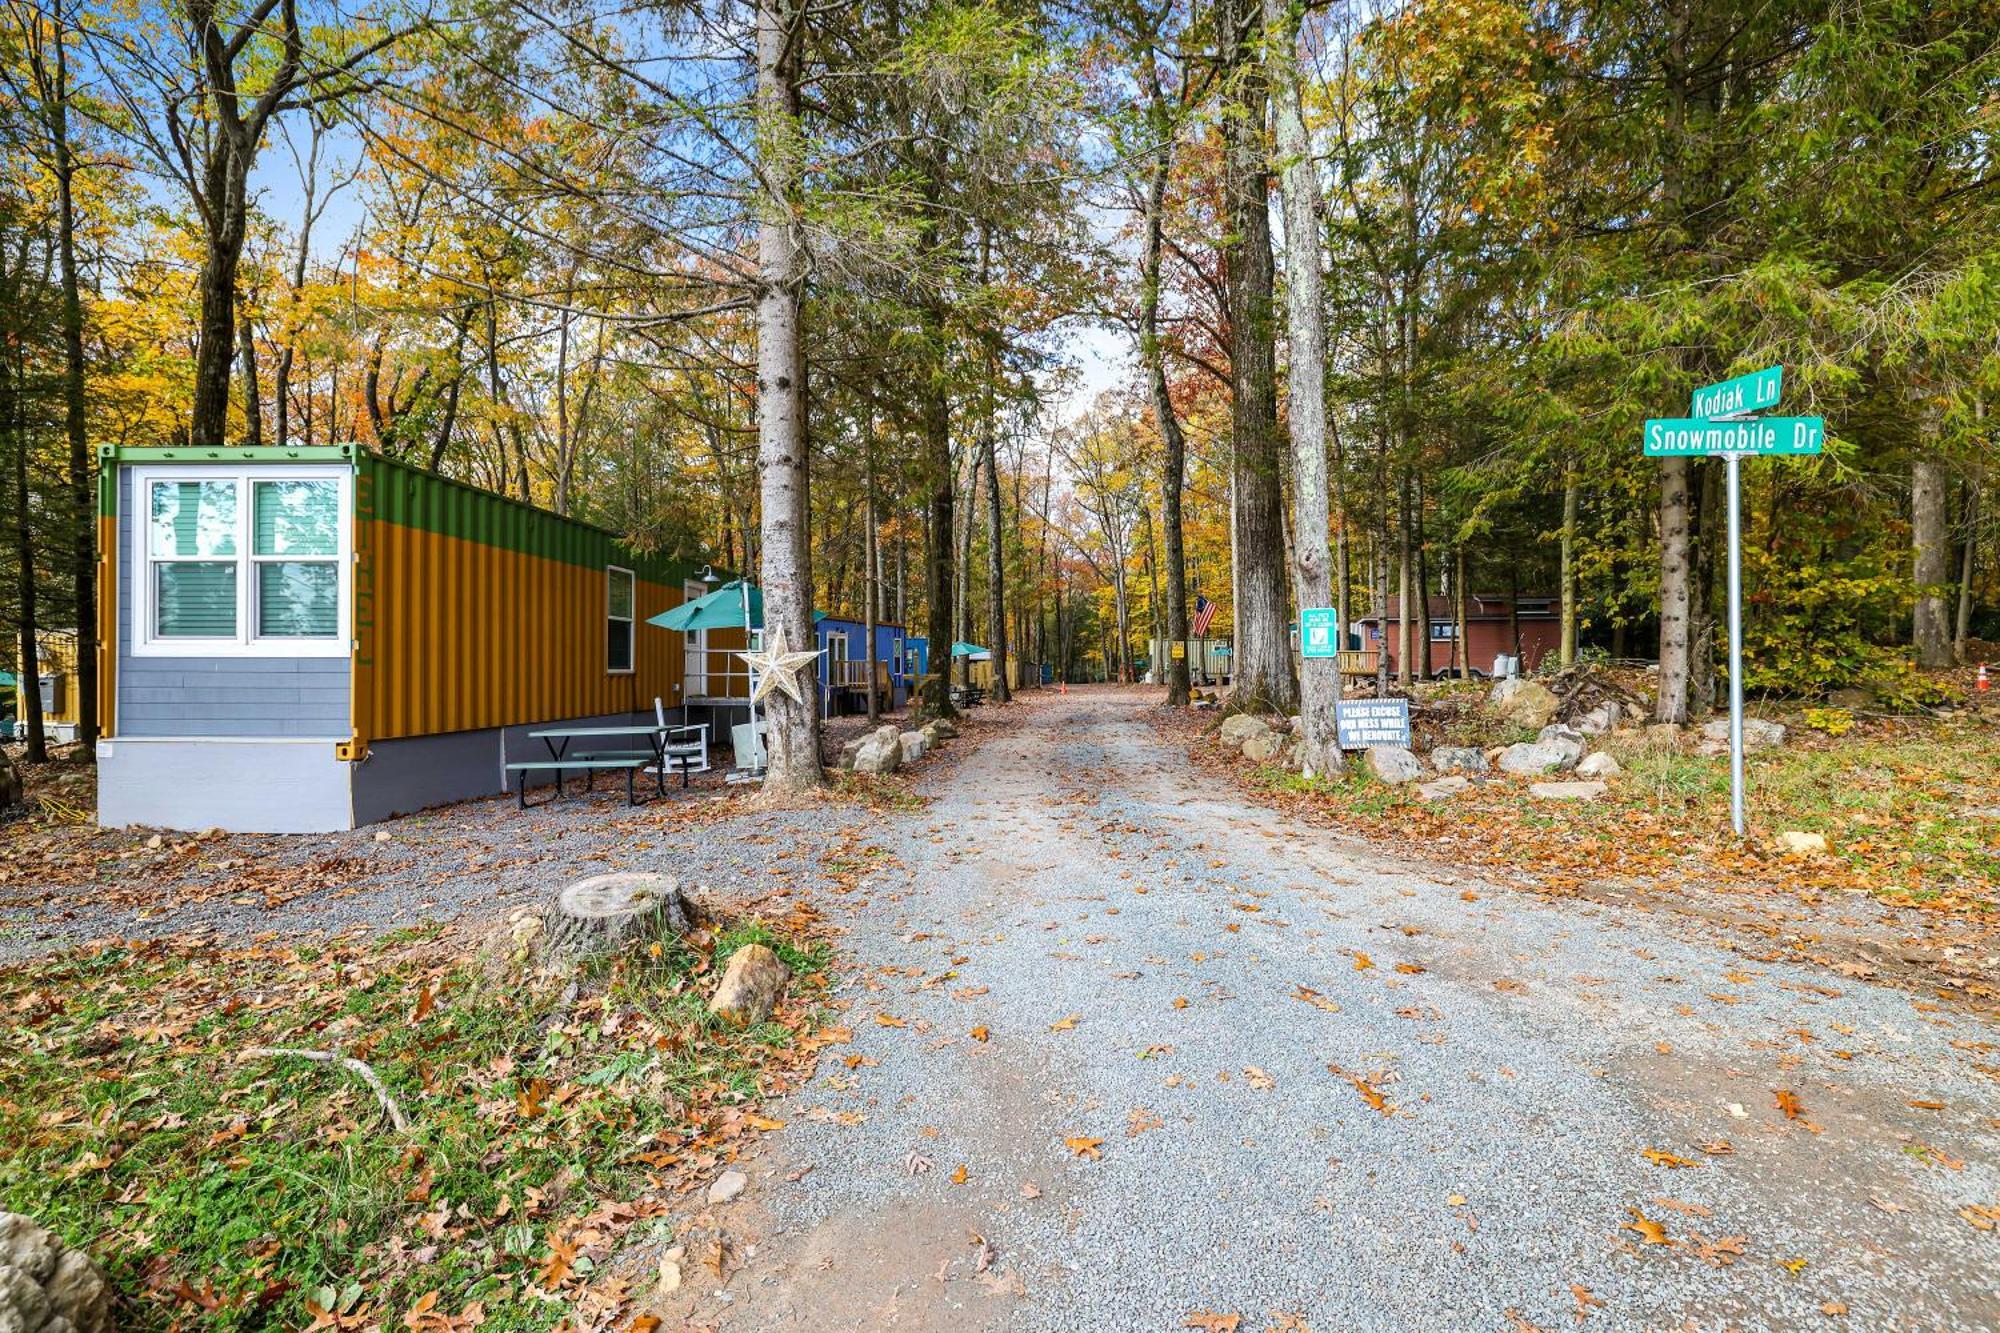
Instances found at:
x=220 y=696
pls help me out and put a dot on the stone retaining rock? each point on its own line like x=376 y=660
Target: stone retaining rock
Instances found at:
x=1459 y=759
x=1523 y=701
x=1566 y=791
x=880 y=751
x=1599 y=765
x=1393 y=764
x=47 y=1287
x=1536 y=758
x=748 y=991
x=1240 y=727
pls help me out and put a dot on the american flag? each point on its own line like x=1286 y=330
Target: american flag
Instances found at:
x=1204 y=612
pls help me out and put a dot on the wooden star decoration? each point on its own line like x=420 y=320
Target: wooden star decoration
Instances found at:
x=778 y=667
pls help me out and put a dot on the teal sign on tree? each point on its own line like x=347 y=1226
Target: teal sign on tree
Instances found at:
x=1746 y=393
x=1319 y=631
x=1669 y=437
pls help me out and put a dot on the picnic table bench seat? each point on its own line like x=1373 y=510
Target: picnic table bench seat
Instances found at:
x=587 y=764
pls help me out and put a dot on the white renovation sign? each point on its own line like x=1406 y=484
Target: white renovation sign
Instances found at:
x=1365 y=723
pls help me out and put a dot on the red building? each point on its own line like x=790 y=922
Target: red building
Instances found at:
x=1490 y=627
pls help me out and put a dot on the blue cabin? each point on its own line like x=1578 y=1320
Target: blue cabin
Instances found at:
x=843 y=665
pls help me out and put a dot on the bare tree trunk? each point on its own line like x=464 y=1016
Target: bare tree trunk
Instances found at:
x=871 y=575
x=792 y=740
x=29 y=678
x=1406 y=647
x=1675 y=587
x=1463 y=655
x=1968 y=565
x=253 y=403
x=1571 y=492
x=51 y=73
x=1262 y=666
x=1319 y=677
x=996 y=569
x=1930 y=545
x=1173 y=464
x=939 y=554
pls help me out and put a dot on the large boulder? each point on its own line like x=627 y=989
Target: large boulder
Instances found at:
x=1605 y=717
x=880 y=751
x=47 y=1287
x=1795 y=843
x=939 y=729
x=1566 y=791
x=1265 y=746
x=748 y=991
x=1598 y=765
x=915 y=745
x=1532 y=759
x=1570 y=741
x=1393 y=764
x=1443 y=789
x=1758 y=734
x=1523 y=702
x=1240 y=727
x=1459 y=759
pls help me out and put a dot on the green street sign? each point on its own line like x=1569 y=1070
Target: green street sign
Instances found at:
x=1319 y=631
x=1746 y=393
x=1670 y=437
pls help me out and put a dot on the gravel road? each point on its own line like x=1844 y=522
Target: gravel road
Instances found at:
x=1231 y=1067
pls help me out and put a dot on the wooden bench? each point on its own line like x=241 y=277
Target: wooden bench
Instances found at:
x=631 y=763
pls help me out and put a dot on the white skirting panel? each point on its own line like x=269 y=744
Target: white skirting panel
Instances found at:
x=239 y=786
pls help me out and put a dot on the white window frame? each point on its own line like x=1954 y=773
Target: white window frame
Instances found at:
x=1442 y=630
x=631 y=621
x=146 y=641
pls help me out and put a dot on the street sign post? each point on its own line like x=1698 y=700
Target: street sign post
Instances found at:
x=1667 y=437
x=1746 y=393
x=1718 y=426
x=1319 y=631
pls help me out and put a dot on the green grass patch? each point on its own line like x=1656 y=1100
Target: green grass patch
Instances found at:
x=234 y=1191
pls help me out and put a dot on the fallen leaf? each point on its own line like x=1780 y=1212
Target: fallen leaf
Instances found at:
x=1065 y=1024
x=889 y=1021
x=1362 y=962
x=1212 y=1322
x=958 y=1177
x=1410 y=969
x=1833 y=1307
x=1090 y=1149
x=1584 y=1301
x=980 y=1033
x=1652 y=1232
x=1259 y=1080
x=1985 y=1216
x=1661 y=1157
x=1180 y=1002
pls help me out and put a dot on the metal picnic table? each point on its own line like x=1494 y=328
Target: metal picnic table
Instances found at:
x=557 y=739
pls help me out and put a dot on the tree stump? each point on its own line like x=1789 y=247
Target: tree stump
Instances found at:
x=607 y=912
x=11 y=787
x=47 y=1287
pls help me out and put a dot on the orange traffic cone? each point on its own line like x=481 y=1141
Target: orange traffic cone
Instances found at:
x=1984 y=683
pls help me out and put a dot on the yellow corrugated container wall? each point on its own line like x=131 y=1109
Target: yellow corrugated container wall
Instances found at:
x=474 y=611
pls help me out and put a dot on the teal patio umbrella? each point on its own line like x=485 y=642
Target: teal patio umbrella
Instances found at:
x=966 y=650
x=735 y=605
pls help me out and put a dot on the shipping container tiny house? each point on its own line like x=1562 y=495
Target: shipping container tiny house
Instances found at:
x=843 y=665
x=302 y=640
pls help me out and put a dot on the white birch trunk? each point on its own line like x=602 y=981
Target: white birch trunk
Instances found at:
x=792 y=741
x=1305 y=312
